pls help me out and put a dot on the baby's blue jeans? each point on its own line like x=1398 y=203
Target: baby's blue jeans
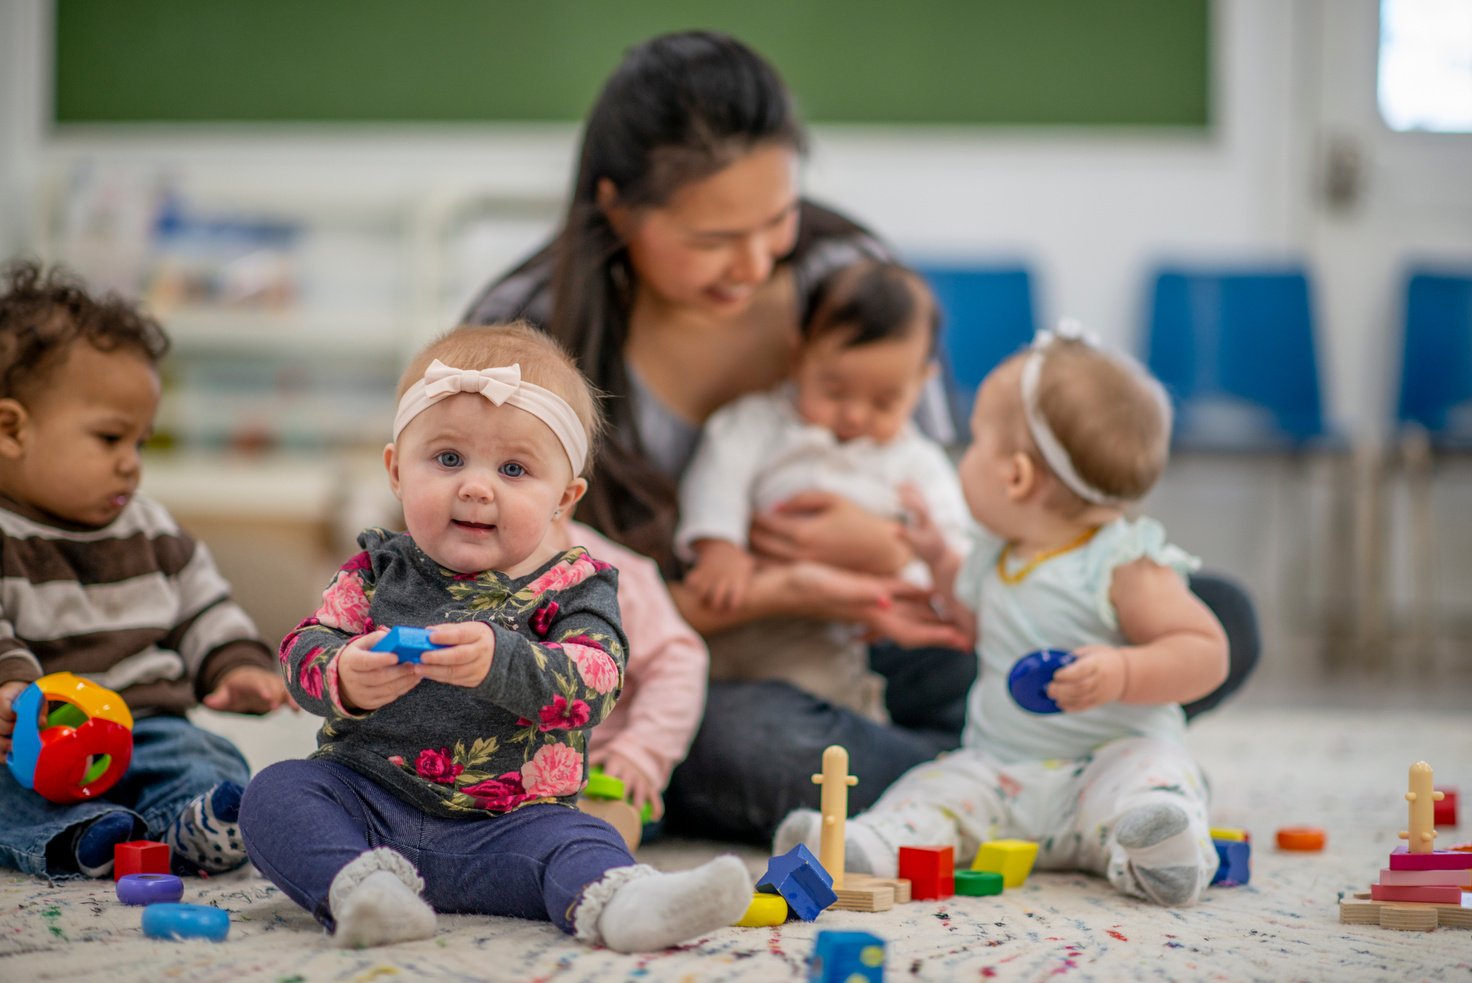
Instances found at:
x=173 y=761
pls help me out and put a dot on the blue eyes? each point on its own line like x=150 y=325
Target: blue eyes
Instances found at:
x=452 y=460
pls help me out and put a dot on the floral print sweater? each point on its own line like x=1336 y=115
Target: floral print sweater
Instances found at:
x=517 y=738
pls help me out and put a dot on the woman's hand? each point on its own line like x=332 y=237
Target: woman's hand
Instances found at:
x=367 y=680
x=639 y=788
x=912 y=620
x=1098 y=676
x=470 y=647
x=722 y=573
x=887 y=607
x=8 y=692
x=825 y=527
x=249 y=689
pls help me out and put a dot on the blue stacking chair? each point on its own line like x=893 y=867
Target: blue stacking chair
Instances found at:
x=1436 y=358
x=987 y=315
x=1235 y=346
x=1433 y=414
x=1236 y=350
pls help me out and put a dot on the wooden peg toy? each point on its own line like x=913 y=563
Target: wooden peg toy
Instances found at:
x=1420 y=831
x=833 y=803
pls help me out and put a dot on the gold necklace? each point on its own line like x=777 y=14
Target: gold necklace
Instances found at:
x=1012 y=579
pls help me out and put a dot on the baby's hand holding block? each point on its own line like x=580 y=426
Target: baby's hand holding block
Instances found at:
x=407 y=643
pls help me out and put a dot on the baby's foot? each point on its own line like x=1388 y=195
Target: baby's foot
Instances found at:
x=656 y=911
x=375 y=901
x=1157 y=839
x=864 y=851
x=206 y=834
x=93 y=847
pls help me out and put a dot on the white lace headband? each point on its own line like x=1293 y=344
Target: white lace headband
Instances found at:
x=1054 y=452
x=501 y=385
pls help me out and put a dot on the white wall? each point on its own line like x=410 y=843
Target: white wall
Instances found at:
x=24 y=100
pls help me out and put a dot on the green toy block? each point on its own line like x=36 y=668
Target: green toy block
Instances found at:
x=977 y=883
x=601 y=786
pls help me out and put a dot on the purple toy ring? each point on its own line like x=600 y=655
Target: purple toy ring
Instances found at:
x=147 y=889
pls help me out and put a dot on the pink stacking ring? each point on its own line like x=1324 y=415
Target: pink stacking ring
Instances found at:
x=147 y=889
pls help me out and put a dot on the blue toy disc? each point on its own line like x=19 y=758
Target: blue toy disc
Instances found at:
x=146 y=889
x=1031 y=675
x=185 y=921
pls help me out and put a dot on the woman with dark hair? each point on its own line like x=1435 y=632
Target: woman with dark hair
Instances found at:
x=679 y=279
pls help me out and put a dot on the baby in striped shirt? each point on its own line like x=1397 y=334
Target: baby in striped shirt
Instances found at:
x=99 y=581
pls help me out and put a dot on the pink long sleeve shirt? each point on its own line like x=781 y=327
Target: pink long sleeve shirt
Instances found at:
x=664 y=683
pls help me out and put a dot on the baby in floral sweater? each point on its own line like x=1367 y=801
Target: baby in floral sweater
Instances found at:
x=450 y=784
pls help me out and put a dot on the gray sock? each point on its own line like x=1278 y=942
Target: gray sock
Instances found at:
x=1146 y=825
x=1157 y=838
x=1170 y=887
x=864 y=850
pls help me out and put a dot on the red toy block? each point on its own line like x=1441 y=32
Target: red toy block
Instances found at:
x=1444 y=812
x=1400 y=859
x=140 y=857
x=1427 y=894
x=931 y=871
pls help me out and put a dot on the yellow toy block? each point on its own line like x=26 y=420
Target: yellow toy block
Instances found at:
x=765 y=909
x=1012 y=859
x=1230 y=833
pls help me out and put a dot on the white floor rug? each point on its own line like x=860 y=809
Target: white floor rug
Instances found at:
x=1342 y=770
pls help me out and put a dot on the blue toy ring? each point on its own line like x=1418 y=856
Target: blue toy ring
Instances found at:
x=1030 y=676
x=147 y=889
x=185 y=921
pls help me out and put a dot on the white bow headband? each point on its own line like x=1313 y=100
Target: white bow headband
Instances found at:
x=502 y=385
x=1048 y=445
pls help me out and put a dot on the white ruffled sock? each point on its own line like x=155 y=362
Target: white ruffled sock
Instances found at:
x=638 y=909
x=375 y=901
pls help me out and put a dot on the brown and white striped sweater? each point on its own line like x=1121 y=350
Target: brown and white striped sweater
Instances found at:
x=137 y=606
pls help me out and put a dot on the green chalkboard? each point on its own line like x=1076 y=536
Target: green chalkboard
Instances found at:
x=1030 y=62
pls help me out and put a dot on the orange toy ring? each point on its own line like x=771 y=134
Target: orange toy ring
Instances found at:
x=1306 y=838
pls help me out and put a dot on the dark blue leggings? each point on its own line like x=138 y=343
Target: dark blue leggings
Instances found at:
x=303 y=821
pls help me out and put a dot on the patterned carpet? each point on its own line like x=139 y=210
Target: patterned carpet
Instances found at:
x=1345 y=771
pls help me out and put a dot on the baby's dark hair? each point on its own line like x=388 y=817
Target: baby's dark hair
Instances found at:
x=873 y=301
x=43 y=312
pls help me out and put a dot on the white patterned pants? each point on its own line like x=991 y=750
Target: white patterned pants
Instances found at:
x=1069 y=807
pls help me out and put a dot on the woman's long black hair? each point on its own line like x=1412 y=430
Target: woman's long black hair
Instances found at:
x=679 y=108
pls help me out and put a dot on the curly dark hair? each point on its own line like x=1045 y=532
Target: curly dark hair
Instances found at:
x=43 y=312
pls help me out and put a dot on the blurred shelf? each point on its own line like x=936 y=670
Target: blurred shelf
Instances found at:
x=207 y=331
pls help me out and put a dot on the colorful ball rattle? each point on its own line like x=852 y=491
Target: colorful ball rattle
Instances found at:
x=81 y=749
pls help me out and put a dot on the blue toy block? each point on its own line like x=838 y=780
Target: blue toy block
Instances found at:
x=407 y=643
x=842 y=957
x=801 y=880
x=1236 y=862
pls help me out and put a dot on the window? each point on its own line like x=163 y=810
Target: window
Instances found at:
x=1425 y=77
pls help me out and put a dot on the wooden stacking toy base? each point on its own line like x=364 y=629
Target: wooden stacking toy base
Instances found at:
x=865 y=892
x=1405 y=916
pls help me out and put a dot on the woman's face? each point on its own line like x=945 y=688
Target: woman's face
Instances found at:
x=717 y=239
